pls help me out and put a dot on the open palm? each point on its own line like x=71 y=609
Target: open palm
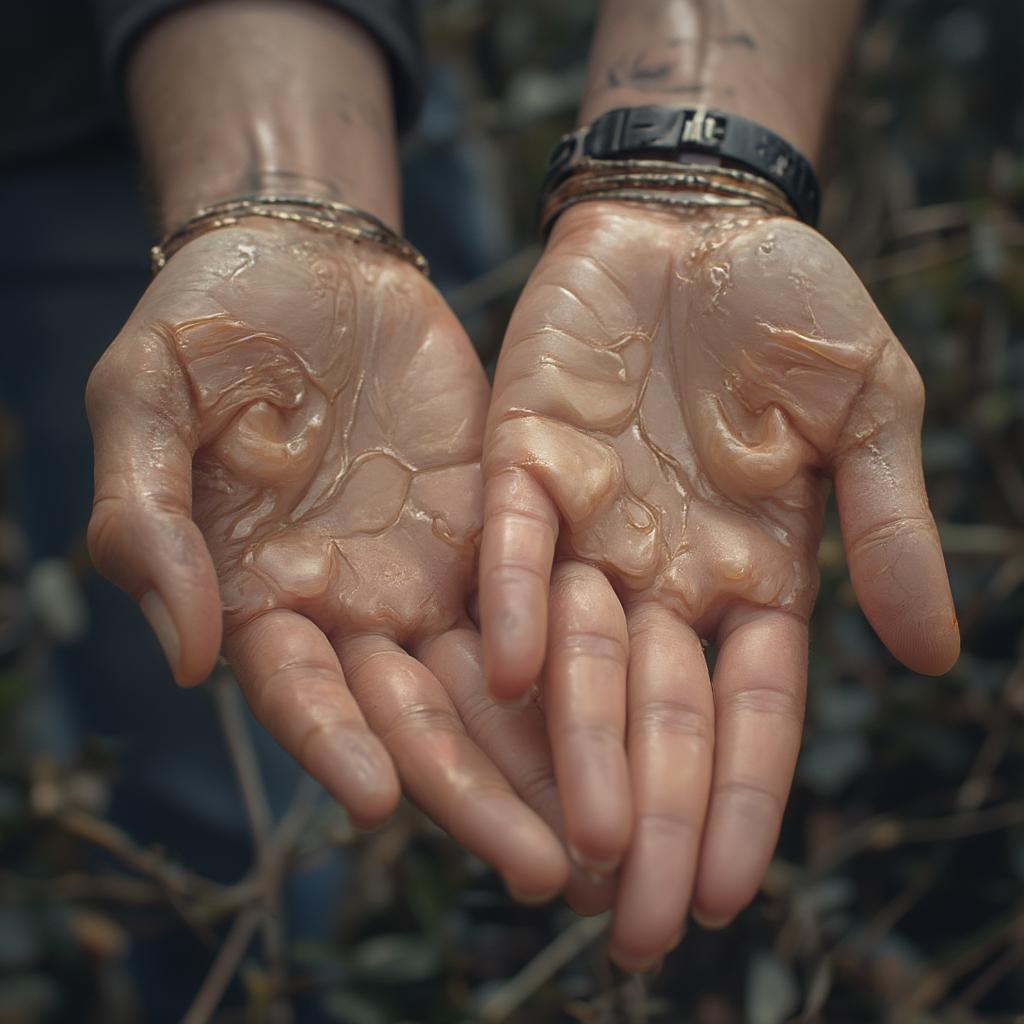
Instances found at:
x=288 y=432
x=673 y=394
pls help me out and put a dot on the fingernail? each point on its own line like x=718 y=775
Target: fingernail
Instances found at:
x=595 y=870
x=709 y=922
x=160 y=621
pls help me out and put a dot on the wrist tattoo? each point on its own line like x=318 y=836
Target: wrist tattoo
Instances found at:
x=676 y=66
x=639 y=72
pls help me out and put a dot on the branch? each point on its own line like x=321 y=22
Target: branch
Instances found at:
x=173 y=879
x=885 y=832
x=233 y=722
x=501 y=1004
x=966 y=958
x=254 y=891
x=224 y=966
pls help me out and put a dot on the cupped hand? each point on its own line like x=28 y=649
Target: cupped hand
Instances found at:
x=287 y=440
x=674 y=392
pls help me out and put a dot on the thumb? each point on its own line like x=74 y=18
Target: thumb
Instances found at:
x=141 y=535
x=892 y=544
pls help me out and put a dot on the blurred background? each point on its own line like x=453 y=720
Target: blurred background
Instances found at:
x=157 y=854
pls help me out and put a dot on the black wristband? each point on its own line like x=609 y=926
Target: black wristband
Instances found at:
x=670 y=132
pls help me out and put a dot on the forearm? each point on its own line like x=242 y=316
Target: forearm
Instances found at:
x=777 y=63
x=242 y=96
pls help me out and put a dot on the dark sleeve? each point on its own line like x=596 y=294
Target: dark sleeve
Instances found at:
x=397 y=26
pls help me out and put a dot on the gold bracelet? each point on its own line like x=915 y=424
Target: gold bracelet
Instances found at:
x=321 y=214
x=662 y=183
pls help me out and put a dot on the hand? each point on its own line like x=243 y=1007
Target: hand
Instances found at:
x=672 y=396
x=289 y=426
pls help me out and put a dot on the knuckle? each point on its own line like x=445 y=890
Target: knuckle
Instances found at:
x=586 y=644
x=337 y=732
x=420 y=716
x=677 y=718
x=104 y=529
x=650 y=622
x=577 y=578
x=514 y=572
x=278 y=687
x=755 y=798
x=592 y=734
x=888 y=529
x=528 y=517
x=673 y=825
x=537 y=784
x=480 y=715
x=768 y=700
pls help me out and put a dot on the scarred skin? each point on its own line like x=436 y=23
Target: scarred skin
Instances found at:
x=673 y=394
x=322 y=409
x=329 y=457
x=681 y=392
x=287 y=438
x=316 y=383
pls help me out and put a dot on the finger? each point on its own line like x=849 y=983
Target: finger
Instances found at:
x=670 y=740
x=516 y=740
x=291 y=679
x=585 y=706
x=516 y=550
x=141 y=535
x=446 y=773
x=892 y=544
x=759 y=689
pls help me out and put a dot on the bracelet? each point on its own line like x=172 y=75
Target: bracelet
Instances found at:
x=661 y=182
x=670 y=133
x=322 y=214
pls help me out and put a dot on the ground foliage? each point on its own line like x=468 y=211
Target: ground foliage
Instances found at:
x=897 y=894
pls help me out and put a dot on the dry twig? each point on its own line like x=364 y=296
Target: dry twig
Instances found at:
x=224 y=967
x=257 y=809
x=501 y=1004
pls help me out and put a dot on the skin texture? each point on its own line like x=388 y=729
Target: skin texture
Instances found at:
x=289 y=427
x=674 y=392
x=689 y=501
x=231 y=97
x=776 y=63
x=287 y=438
x=287 y=443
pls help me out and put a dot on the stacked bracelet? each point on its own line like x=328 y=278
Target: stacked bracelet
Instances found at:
x=322 y=214
x=649 y=155
x=662 y=183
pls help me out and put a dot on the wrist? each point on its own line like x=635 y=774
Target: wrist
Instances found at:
x=321 y=215
x=617 y=221
x=775 y=64
x=238 y=97
x=647 y=154
x=802 y=125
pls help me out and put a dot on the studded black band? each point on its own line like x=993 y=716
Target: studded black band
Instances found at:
x=669 y=132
